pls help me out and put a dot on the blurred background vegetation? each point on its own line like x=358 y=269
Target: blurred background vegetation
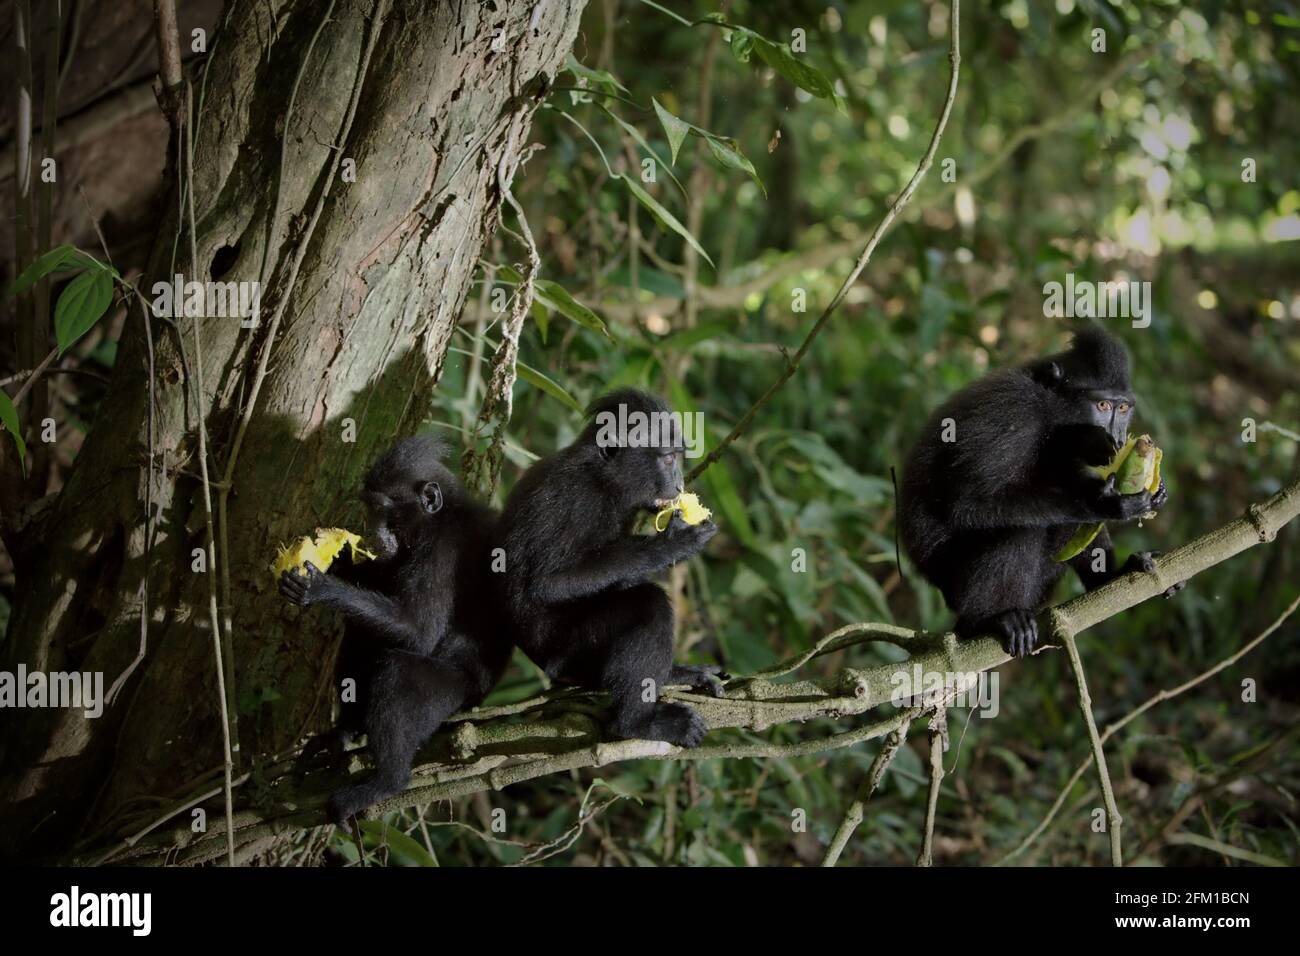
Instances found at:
x=1122 y=164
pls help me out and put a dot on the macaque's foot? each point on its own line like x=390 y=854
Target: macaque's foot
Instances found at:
x=1018 y=630
x=705 y=677
x=1145 y=561
x=676 y=724
x=344 y=808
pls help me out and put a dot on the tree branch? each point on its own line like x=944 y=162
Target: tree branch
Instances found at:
x=492 y=748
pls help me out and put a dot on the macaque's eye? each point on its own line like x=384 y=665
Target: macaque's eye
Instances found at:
x=669 y=458
x=1104 y=405
x=1124 y=407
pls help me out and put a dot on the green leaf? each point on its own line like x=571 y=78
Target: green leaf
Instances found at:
x=662 y=215
x=401 y=846
x=641 y=141
x=38 y=270
x=675 y=128
x=9 y=417
x=721 y=496
x=685 y=338
x=742 y=45
x=542 y=317
x=807 y=78
x=724 y=496
x=547 y=385
x=555 y=296
x=600 y=78
x=648 y=279
x=728 y=153
x=81 y=305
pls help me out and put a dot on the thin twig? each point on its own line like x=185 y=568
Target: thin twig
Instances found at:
x=200 y=415
x=938 y=743
x=853 y=816
x=1114 y=821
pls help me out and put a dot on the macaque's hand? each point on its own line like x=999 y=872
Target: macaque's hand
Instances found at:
x=688 y=539
x=304 y=590
x=1113 y=506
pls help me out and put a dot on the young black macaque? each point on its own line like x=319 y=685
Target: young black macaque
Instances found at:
x=579 y=583
x=999 y=482
x=422 y=638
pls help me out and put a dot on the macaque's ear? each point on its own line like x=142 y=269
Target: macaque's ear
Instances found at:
x=431 y=497
x=1047 y=373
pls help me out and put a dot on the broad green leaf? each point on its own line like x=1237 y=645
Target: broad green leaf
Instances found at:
x=82 y=260
x=555 y=296
x=38 y=270
x=547 y=385
x=675 y=128
x=808 y=78
x=80 y=306
x=9 y=417
x=728 y=153
x=662 y=215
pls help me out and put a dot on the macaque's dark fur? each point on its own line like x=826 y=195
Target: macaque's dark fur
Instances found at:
x=422 y=635
x=579 y=585
x=983 y=516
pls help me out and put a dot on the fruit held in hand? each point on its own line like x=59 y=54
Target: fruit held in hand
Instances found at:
x=1136 y=467
x=321 y=552
x=688 y=506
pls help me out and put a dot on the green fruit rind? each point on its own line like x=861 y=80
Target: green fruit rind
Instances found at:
x=1080 y=540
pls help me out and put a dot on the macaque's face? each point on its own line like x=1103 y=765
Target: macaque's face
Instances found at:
x=1110 y=411
x=399 y=514
x=647 y=479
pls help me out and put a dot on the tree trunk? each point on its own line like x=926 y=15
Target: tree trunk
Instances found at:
x=442 y=109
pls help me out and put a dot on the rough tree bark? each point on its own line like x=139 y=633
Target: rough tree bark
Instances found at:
x=443 y=108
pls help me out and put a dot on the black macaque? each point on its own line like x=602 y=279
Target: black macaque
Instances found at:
x=578 y=583
x=999 y=482
x=422 y=637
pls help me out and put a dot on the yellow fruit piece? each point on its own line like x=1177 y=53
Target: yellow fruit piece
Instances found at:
x=321 y=552
x=688 y=505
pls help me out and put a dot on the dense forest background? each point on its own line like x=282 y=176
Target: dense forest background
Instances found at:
x=1119 y=164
